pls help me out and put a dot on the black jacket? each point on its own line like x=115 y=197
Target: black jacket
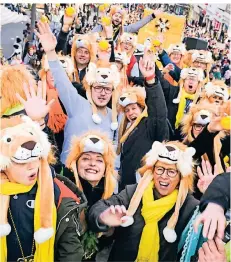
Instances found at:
x=218 y=192
x=127 y=239
x=67 y=245
x=150 y=129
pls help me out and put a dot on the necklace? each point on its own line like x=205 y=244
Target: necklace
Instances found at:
x=23 y=259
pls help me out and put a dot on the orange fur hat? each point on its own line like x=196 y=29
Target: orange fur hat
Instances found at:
x=94 y=141
x=102 y=73
x=172 y=152
x=12 y=79
x=22 y=141
x=198 y=114
x=80 y=41
x=215 y=88
x=132 y=95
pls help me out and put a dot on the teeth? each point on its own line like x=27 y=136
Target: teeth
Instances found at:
x=164 y=184
x=91 y=171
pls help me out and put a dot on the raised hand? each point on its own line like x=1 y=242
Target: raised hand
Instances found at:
x=35 y=106
x=112 y=216
x=46 y=37
x=147 y=65
x=206 y=176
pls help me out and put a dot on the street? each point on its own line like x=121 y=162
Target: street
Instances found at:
x=8 y=35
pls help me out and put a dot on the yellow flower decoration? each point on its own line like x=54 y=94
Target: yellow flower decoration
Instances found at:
x=57 y=5
x=103 y=45
x=70 y=11
x=44 y=19
x=106 y=21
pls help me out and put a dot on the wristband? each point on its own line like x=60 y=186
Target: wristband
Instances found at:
x=150 y=77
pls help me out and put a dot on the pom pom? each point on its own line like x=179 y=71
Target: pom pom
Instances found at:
x=226 y=122
x=104 y=45
x=5 y=230
x=70 y=11
x=176 y=101
x=114 y=126
x=44 y=19
x=169 y=235
x=106 y=21
x=128 y=221
x=96 y=119
x=43 y=234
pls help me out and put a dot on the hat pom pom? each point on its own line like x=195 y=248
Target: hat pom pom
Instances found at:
x=169 y=235
x=43 y=234
x=96 y=119
x=5 y=230
x=114 y=125
x=128 y=221
x=176 y=101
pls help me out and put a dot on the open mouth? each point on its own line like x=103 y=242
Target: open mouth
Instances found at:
x=163 y=185
x=91 y=171
x=190 y=87
x=101 y=99
x=133 y=118
x=33 y=176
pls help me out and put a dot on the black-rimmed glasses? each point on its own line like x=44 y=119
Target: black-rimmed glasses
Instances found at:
x=159 y=170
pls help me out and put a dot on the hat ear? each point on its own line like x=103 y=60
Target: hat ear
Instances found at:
x=200 y=75
x=4 y=162
x=91 y=73
x=152 y=155
x=185 y=161
x=116 y=75
x=184 y=73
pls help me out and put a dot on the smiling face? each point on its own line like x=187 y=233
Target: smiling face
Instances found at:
x=117 y=19
x=25 y=174
x=132 y=111
x=91 y=167
x=126 y=47
x=201 y=65
x=82 y=56
x=191 y=85
x=175 y=57
x=164 y=184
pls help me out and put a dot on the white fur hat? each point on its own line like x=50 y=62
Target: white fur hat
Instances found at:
x=202 y=56
x=180 y=48
x=192 y=72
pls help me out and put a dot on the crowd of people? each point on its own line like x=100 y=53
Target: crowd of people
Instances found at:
x=109 y=153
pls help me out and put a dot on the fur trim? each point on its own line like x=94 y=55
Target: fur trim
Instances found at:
x=169 y=235
x=43 y=234
x=5 y=230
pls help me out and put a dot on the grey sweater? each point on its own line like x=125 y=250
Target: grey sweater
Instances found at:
x=78 y=109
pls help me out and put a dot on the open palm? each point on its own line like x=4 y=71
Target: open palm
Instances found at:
x=46 y=37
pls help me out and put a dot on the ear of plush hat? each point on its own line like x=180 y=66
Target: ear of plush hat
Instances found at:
x=152 y=155
x=116 y=74
x=91 y=73
x=184 y=73
x=184 y=163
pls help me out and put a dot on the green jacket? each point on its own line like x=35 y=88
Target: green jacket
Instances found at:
x=67 y=243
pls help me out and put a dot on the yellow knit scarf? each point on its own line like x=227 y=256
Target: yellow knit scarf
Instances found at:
x=44 y=251
x=181 y=107
x=153 y=211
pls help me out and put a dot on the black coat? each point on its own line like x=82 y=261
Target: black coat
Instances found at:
x=127 y=239
x=150 y=129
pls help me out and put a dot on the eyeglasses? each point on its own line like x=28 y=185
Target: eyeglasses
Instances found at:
x=198 y=127
x=99 y=89
x=159 y=170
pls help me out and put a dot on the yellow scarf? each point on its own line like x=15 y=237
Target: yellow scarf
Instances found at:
x=181 y=107
x=153 y=211
x=44 y=251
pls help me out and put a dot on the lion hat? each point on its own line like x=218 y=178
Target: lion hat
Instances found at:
x=22 y=141
x=102 y=73
x=12 y=79
x=94 y=141
x=172 y=152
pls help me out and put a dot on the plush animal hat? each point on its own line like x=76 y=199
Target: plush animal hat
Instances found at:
x=132 y=95
x=131 y=39
x=172 y=152
x=191 y=72
x=102 y=73
x=12 y=79
x=67 y=64
x=198 y=114
x=203 y=56
x=179 y=48
x=22 y=141
x=216 y=87
x=78 y=42
x=94 y=141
